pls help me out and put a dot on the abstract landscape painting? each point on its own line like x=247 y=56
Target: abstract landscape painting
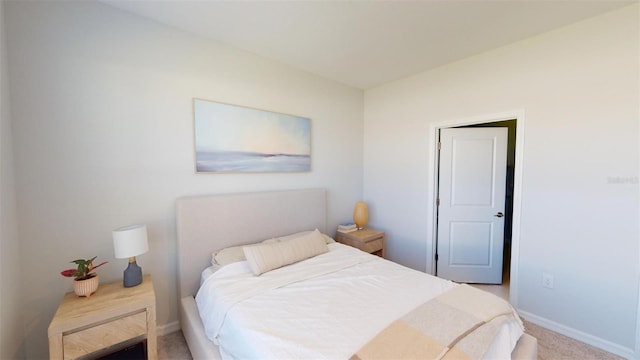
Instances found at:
x=231 y=138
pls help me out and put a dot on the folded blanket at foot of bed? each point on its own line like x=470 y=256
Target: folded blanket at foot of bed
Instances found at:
x=458 y=324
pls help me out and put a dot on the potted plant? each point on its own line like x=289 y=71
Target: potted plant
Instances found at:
x=85 y=281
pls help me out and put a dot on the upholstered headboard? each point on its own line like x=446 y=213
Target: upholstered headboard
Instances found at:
x=208 y=223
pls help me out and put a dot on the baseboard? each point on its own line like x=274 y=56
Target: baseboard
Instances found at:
x=169 y=328
x=580 y=336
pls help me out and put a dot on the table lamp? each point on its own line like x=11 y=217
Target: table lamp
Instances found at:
x=361 y=214
x=128 y=242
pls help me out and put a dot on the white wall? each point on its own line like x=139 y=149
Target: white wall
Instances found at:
x=103 y=134
x=578 y=88
x=10 y=274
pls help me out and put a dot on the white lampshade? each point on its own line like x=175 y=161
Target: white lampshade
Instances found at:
x=130 y=241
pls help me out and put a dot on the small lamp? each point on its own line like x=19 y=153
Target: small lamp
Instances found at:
x=361 y=214
x=129 y=242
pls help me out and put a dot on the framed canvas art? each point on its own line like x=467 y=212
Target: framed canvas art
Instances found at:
x=231 y=138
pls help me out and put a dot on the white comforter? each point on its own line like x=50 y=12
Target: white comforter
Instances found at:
x=324 y=307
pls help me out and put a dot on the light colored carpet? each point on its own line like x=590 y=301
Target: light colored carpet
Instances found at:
x=551 y=346
x=173 y=347
x=554 y=346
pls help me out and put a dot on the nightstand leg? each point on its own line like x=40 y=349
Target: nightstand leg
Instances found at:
x=55 y=347
x=152 y=339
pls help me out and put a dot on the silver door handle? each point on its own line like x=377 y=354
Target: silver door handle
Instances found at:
x=499 y=214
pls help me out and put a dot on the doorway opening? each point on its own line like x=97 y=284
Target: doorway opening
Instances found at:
x=514 y=122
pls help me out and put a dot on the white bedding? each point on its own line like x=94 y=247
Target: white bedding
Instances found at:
x=327 y=306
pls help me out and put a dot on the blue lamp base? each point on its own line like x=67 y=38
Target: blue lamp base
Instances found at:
x=132 y=274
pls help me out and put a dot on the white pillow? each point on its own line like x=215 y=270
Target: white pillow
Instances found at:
x=265 y=257
x=327 y=238
x=227 y=256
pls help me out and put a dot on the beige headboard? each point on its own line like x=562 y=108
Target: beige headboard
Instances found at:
x=208 y=223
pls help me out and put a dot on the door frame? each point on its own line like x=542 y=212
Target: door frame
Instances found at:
x=517 y=115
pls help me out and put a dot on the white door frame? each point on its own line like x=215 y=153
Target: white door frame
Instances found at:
x=518 y=115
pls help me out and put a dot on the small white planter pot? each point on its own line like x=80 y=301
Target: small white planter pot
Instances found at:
x=86 y=287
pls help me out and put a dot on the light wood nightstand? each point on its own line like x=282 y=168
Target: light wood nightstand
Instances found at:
x=114 y=317
x=367 y=240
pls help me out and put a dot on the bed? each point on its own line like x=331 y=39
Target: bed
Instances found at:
x=208 y=223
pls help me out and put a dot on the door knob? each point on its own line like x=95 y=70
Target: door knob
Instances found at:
x=499 y=214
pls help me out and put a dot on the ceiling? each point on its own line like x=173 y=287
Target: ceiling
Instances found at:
x=367 y=43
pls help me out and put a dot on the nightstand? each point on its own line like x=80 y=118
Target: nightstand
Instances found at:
x=367 y=240
x=114 y=317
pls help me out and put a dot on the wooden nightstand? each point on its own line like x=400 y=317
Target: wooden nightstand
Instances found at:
x=113 y=318
x=367 y=240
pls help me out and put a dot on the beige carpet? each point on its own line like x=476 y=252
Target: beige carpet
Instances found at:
x=554 y=346
x=551 y=346
x=173 y=346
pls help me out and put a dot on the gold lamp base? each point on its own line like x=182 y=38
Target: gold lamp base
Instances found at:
x=361 y=214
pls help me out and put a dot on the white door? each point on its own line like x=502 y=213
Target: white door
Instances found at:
x=472 y=179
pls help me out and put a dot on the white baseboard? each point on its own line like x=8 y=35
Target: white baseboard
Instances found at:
x=580 y=336
x=169 y=328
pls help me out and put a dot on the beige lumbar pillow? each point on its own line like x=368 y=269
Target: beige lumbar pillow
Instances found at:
x=269 y=256
x=233 y=254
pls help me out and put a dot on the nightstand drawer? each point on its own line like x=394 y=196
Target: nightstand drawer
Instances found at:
x=98 y=337
x=372 y=246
